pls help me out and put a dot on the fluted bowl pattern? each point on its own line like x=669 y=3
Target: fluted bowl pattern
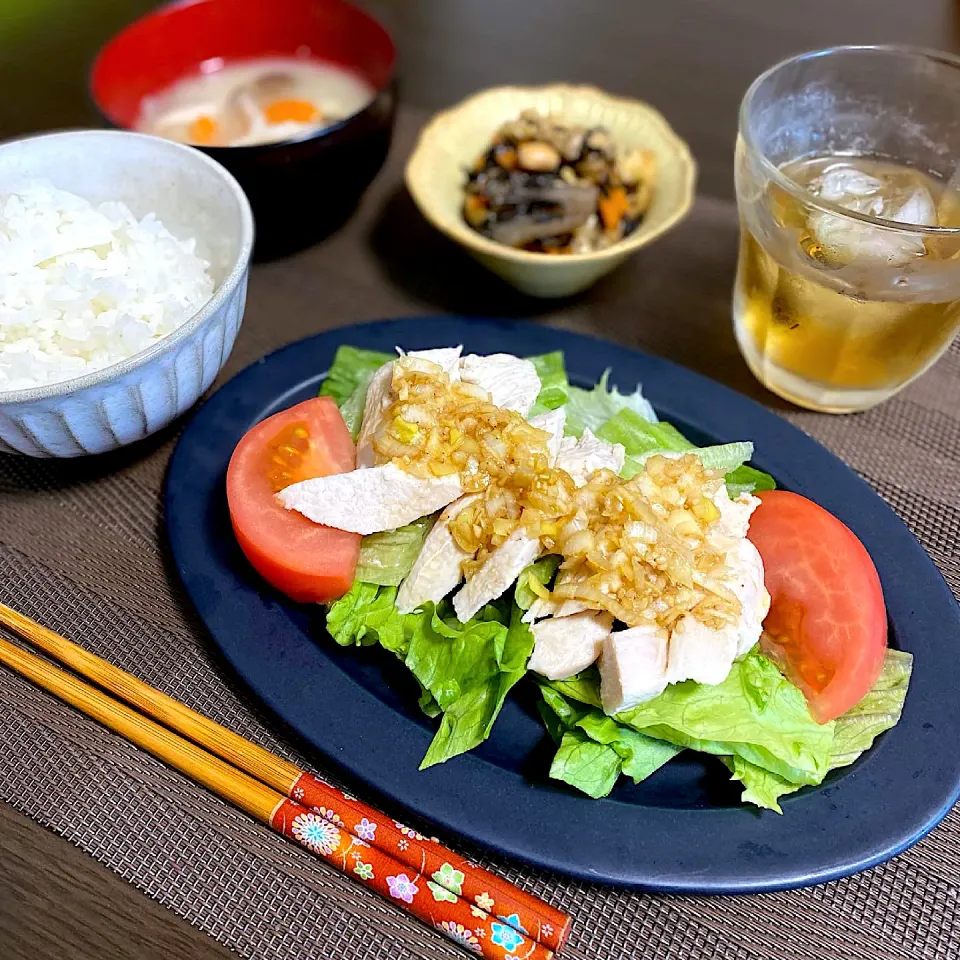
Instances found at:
x=194 y=197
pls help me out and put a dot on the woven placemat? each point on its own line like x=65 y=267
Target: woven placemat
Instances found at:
x=82 y=550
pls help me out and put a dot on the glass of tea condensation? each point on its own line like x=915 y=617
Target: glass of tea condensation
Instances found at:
x=848 y=188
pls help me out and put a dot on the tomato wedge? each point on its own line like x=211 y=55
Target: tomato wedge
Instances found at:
x=827 y=626
x=308 y=562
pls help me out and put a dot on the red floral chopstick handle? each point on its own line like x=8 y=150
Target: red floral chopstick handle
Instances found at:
x=467 y=925
x=445 y=872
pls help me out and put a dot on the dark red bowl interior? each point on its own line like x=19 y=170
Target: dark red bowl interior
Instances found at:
x=174 y=40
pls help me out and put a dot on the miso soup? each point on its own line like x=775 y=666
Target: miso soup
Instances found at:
x=257 y=101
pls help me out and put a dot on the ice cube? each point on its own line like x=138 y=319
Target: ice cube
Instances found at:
x=919 y=209
x=847 y=240
x=890 y=198
x=846 y=186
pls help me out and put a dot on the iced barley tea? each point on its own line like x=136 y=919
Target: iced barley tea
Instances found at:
x=836 y=312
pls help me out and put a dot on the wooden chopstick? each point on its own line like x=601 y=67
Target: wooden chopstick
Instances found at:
x=450 y=914
x=446 y=873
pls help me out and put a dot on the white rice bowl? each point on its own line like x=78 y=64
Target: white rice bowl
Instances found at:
x=84 y=286
x=121 y=401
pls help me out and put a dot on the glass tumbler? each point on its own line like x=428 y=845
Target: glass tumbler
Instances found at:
x=848 y=189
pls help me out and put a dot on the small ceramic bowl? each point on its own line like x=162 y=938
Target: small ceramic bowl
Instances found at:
x=452 y=141
x=193 y=197
x=299 y=189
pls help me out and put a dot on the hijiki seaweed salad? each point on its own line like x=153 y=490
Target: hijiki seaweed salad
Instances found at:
x=548 y=187
x=487 y=523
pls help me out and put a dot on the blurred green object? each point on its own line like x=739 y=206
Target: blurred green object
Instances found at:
x=48 y=47
x=19 y=15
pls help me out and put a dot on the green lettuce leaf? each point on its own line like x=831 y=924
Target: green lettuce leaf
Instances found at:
x=468 y=720
x=351 y=367
x=642 y=439
x=853 y=733
x=573 y=726
x=641 y=755
x=352 y=408
x=747 y=479
x=569 y=714
x=584 y=687
x=639 y=436
x=724 y=458
x=449 y=657
x=585 y=764
x=554 y=387
x=426 y=702
x=386 y=558
x=756 y=722
x=464 y=670
x=366 y=614
x=879 y=710
x=555 y=726
x=586 y=767
x=543 y=570
x=755 y=714
x=591 y=409
x=760 y=787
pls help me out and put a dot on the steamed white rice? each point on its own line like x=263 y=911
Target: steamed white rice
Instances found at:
x=84 y=286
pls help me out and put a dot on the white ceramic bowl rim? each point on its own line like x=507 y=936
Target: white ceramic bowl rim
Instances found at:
x=477 y=241
x=224 y=288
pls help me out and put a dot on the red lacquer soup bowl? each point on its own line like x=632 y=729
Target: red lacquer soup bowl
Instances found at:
x=299 y=189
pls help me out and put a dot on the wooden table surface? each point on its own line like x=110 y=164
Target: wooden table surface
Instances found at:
x=691 y=58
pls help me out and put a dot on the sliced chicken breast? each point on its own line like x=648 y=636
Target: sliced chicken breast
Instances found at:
x=564 y=647
x=554 y=608
x=446 y=357
x=633 y=667
x=496 y=574
x=700 y=653
x=734 y=516
x=582 y=457
x=744 y=576
x=511 y=382
x=579 y=457
x=378 y=399
x=380 y=396
x=368 y=501
x=552 y=422
x=436 y=572
x=438 y=569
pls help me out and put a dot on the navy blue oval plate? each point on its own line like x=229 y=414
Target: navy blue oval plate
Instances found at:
x=681 y=830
